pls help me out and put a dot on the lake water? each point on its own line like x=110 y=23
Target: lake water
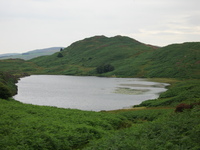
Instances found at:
x=86 y=93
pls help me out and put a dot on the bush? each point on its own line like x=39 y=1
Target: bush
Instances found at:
x=4 y=92
x=60 y=55
x=105 y=68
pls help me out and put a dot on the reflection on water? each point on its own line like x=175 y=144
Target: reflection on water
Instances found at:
x=86 y=93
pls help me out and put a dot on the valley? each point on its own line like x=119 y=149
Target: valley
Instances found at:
x=153 y=124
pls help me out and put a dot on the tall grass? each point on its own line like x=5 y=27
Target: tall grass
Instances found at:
x=24 y=126
x=174 y=131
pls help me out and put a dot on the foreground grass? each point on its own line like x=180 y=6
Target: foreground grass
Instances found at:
x=175 y=131
x=25 y=126
x=30 y=127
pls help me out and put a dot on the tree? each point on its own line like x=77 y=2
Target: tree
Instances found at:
x=60 y=55
x=4 y=92
x=61 y=49
x=105 y=68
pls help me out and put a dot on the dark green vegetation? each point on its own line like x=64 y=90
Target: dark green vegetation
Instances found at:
x=60 y=55
x=7 y=85
x=105 y=68
x=151 y=125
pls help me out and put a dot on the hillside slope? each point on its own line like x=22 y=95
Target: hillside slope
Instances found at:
x=176 y=61
x=82 y=57
x=126 y=56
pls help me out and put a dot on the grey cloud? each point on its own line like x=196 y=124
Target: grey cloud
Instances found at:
x=151 y=21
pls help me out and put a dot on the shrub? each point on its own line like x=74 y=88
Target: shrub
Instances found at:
x=182 y=106
x=105 y=68
x=60 y=55
x=4 y=92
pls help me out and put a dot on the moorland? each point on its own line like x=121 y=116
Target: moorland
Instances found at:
x=153 y=124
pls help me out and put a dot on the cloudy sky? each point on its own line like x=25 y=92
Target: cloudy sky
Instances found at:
x=34 y=24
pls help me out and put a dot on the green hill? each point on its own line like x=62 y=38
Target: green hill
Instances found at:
x=126 y=56
x=82 y=57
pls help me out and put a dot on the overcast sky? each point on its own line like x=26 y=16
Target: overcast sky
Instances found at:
x=34 y=24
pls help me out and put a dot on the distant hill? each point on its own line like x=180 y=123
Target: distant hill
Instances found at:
x=31 y=54
x=8 y=54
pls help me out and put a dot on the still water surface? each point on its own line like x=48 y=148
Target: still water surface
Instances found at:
x=86 y=93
